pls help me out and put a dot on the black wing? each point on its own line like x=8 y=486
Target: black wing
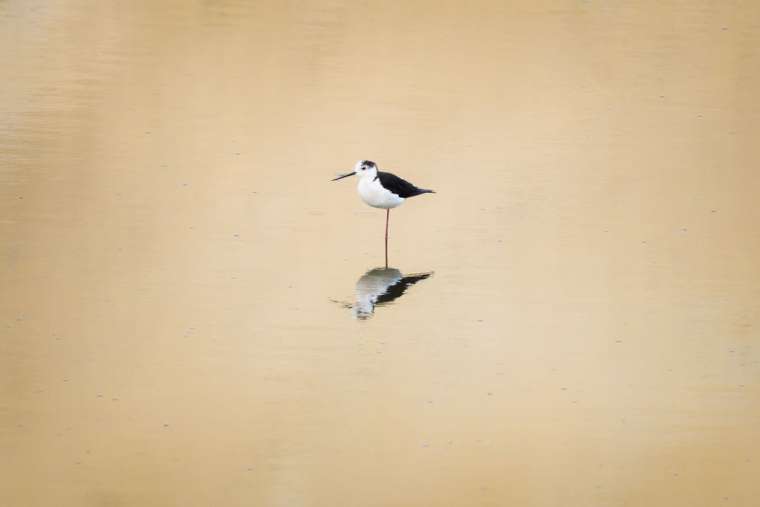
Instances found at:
x=400 y=187
x=397 y=290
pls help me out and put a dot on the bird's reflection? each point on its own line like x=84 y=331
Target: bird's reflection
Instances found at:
x=379 y=287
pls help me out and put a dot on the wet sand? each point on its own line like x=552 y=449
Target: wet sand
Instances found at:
x=179 y=279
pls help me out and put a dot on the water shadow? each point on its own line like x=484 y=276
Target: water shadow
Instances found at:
x=379 y=287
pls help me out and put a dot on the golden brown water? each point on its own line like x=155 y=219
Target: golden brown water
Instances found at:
x=176 y=268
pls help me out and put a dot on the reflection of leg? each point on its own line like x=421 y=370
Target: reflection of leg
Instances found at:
x=387 y=219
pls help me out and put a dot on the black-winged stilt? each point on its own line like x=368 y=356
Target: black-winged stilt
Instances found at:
x=382 y=190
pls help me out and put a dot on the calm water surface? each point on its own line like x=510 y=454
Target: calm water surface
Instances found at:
x=191 y=314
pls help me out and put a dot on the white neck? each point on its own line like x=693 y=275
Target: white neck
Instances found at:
x=371 y=173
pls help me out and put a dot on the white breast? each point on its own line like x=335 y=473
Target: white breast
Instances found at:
x=373 y=193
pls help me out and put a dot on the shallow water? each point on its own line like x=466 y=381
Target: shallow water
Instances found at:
x=188 y=311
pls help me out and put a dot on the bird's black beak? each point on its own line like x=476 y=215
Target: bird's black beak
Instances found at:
x=344 y=176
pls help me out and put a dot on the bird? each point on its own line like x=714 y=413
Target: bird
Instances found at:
x=382 y=190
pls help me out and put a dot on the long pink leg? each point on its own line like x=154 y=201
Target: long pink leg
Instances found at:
x=387 y=219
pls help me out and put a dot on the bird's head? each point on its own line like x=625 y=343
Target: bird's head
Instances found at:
x=363 y=168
